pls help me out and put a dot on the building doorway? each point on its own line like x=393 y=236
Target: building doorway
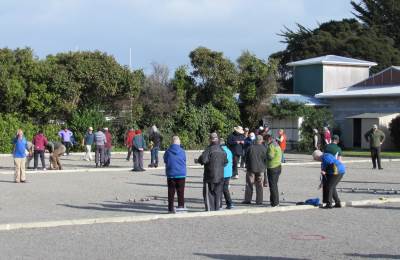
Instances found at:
x=357 y=132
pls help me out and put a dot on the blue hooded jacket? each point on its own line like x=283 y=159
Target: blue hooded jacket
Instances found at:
x=175 y=162
x=331 y=165
x=228 y=166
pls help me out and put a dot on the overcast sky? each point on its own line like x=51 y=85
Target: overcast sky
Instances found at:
x=162 y=31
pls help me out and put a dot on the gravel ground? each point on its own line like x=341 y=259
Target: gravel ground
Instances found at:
x=61 y=195
x=348 y=233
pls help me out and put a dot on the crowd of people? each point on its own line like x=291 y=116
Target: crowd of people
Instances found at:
x=258 y=151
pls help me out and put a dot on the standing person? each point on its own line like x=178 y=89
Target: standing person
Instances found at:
x=100 y=140
x=88 y=141
x=282 y=143
x=375 y=137
x=274 y=168
x=336 y=151
x=56 y=150
x=256 y=160
x=156 y=140
x=235 y=144
x=227 y=175
x=175 y=169
x=242 y=157
x=66 y=138
x=129 y=142
x=29 y=157
x=214 y=160
x=139 y=145
x=39 y=143
x=20 y=146
x=316 y=139
x=327 y=136
x=107 y=147
x=333 y=170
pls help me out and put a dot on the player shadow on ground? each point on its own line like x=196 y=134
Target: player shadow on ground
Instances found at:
x=133 y=207
x=130 y=206
x=378 y=256
x=243 y=257
x=161 y=185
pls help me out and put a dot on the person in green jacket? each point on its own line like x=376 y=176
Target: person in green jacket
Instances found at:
x=274 y=159
x=375 y=137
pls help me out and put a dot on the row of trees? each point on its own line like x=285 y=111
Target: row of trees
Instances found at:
x=83 y=88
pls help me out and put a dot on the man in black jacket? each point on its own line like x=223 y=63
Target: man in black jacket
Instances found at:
x=256 y=160
x=235 y=144
x=214 y=160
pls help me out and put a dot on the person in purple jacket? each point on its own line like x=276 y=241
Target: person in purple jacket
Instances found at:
x=175 y=169
x=65 y=136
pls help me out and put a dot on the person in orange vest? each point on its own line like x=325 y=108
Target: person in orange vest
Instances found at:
x=282 y=143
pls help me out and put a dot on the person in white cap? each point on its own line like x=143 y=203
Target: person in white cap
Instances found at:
x=375 y=137
x=235 y=143
x=88 y=141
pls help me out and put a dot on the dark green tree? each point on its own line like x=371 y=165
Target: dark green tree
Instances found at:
x=257 y=83
x=217 y=80
x=380 y=15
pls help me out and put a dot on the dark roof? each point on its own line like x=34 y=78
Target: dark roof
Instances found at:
x=387 y=77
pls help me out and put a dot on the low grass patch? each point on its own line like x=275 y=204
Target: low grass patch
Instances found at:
x=366 y=153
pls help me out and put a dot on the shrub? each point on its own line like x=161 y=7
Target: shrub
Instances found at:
x=10 y=123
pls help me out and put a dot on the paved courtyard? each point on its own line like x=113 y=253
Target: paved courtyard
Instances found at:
x=82 y=192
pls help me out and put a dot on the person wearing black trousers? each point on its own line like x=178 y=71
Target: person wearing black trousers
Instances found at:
x=332 y=170
x=214 y=160
x=274 y=168
x=375 y=138
x=235 y=143
x=175 y=169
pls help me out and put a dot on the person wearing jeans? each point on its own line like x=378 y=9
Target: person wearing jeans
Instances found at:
x=274 y=160
x=39 y=143
x=156 y=140
x=175 y=170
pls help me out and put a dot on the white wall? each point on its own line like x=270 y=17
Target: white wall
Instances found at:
x=336 y=77
x=289 y=125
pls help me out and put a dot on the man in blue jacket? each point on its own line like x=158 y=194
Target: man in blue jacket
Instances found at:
x=175 y=169
x=333 y=170
x=227 y=175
